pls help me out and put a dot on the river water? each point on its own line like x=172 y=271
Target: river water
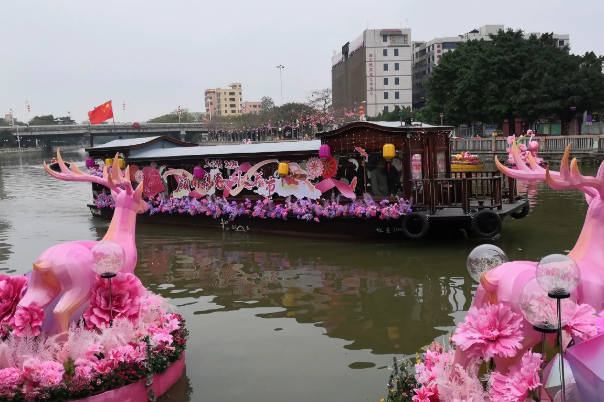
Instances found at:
x=282 y=318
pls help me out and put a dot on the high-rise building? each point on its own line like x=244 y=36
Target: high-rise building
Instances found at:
x=426 y=55
x=226 y=102
x=251 y=107
x=373 y=71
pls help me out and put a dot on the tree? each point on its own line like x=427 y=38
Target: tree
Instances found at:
x=320 y=99
x=266 y=104
x=172 y=117
x=50 y=120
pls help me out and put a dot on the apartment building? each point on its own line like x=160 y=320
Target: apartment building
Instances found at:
x=226 y=102
x=251 y=107
x=427 y=55
x=374 y=71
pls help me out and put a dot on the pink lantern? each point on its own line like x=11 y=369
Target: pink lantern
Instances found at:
x=198 y=173
x=324 y=152
x=89 y=162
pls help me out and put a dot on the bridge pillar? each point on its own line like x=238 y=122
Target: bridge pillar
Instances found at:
x=89 y=139
x=183 y=135
x=47 y=145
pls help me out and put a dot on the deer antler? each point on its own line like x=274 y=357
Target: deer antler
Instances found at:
x=564 y=180
x=113 y=181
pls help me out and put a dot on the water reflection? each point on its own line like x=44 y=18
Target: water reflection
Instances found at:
x=260 y=308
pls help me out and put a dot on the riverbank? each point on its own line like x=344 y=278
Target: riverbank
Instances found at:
x=38 y=149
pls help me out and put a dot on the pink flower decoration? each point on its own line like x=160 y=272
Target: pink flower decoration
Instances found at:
x=522 y=378
x=583 y=323
x=511 y=139
x=30 y=317
x=11 y=289
x=423 y=395
x=522 y=147
x=104 y=366
x=10 y=378
x=126 y=293
x=44 y=374
x=492 y=330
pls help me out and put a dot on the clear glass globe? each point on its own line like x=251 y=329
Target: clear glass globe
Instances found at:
x=541 y=310
x=558 y=274
x=483 y=259
x=107 y=258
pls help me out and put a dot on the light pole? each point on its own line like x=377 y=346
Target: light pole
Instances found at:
x=281 y=67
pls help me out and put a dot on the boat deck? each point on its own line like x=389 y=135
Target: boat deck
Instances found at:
x=451 y=213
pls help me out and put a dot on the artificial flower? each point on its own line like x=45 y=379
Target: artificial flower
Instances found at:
x=583 y=322
x=522 y=378
x=28 y=318
x=11 y=289
x=423 y=395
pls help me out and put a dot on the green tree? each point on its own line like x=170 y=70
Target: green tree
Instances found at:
x=172 y=117
x=266 y=104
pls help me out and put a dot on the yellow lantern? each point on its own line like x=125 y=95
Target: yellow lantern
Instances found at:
x=283 y=169
x=108 y=161
x=121 y=162
x=389 y=152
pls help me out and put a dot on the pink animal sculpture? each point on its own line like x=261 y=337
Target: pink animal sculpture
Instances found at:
x=503 y=284
x=62 y=277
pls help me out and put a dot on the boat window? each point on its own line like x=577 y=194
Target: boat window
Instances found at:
x=416 y=167
x=441 y=164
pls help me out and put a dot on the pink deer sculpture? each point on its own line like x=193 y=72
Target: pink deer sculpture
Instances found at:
x=503 y=284
x=62 y=277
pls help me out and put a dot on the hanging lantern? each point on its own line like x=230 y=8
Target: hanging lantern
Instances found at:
x=108 y=161
x=198 y=173
x=388 y=153
x=324 y=152
x=121 y=163
x=89 y=162
x=283 y=169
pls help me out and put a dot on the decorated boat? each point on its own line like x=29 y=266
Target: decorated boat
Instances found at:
x=54 y=165
x=356 y=181
x=64 y=337
x=466 y=162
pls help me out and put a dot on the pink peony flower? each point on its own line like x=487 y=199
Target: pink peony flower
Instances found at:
x=423 y=395
x=10 y=377
x=522 y=378
x=84 y=371
x=11 y=289
x=126 y=294
x=30 y=317
x=583 y=322
x=44 y=374
x=492 y=330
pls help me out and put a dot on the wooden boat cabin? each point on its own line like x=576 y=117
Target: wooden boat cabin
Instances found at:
x=364 y=179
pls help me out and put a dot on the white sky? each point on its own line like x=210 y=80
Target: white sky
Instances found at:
x=68 y=55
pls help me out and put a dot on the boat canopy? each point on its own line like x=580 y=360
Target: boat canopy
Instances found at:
x=132 y=146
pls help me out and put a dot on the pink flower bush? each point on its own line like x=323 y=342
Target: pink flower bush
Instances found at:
x=30 y=317
x=423 y=395
x=126 y=292
x=492 y=330
x=583 y=322
x=11 y=291
x=522 y=378
x=10 y=378
x=44 y=374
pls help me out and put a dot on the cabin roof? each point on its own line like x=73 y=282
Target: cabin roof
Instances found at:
x=265 y=148
x=132 y=143
x=386 y=126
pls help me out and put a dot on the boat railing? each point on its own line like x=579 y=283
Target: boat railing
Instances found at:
x=465 y=193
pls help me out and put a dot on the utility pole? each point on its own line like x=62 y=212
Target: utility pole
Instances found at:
x=281 y=67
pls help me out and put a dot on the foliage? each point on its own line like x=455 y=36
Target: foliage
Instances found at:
x=185 y=117
x=320 y=99
x=512 y=77
x=266 y=104
x=417 y=115
x=50 y=120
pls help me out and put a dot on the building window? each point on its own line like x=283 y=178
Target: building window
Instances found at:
x=232 y=105
x=385 y=66
x=385 y=52
x=385 y=81
x=233 y=112
x=396 y=95
x=385 y=109
x=232 y=99
x=385 y=95
x=396 y=52
x=396 y=66
x=385 y=38
x=450 y=45
x=560 y=43
x=399 y=40
x=231 y=93
x=396 y=81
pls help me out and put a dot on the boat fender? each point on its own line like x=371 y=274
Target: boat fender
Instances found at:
x=486 y=223
x=526 y=208
x=415 y=225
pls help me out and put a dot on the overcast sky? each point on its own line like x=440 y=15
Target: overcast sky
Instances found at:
x=68 y=55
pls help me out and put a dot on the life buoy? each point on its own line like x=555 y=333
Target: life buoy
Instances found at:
x=526 y=208
x=486 y=223
x=415 y=225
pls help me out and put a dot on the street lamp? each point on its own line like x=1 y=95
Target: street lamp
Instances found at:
x=281 y=67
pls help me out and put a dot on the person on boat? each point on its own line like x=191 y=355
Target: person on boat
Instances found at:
x=394 y=176
x=379 y=179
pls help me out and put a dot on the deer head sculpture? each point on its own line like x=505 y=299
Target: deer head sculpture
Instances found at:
x=503 y=284
x=62 y=277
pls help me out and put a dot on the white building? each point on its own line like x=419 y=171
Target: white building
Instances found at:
x=426 y=55
x=373 y=71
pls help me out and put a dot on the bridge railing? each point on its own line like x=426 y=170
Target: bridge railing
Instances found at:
x=582 y=143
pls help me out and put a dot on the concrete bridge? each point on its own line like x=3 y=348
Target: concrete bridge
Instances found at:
x=55 y=132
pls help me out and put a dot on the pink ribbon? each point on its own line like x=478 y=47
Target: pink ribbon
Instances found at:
x=344 y=188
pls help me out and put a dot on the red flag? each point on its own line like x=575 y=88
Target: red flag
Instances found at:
x=101 y=113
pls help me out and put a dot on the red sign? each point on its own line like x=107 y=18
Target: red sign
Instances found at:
x=442 y=114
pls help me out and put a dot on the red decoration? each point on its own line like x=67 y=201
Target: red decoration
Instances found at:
x=330 y=167
x=152 y=184
x=133 y=170
x=101 y=113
